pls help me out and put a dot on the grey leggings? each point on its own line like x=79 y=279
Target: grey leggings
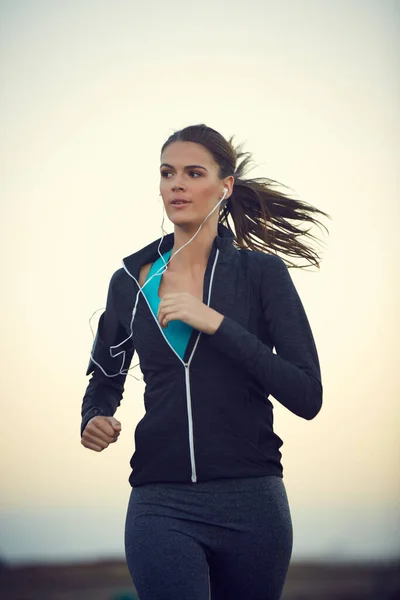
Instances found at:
x=227 y=539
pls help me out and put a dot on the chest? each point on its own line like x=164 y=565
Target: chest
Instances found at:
x=225 y=286
x=175 y=283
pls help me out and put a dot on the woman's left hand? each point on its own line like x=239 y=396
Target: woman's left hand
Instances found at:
x=185 y=307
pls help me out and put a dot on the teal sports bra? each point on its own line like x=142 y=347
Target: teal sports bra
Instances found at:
x=176 y=332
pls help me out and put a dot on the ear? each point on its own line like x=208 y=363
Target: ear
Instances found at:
x=228 y=183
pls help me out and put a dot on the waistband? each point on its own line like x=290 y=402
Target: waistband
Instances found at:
x=240 y=484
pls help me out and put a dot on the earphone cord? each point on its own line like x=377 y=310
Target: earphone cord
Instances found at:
x=160 y=271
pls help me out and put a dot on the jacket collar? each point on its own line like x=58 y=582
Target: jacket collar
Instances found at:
x=223 y=241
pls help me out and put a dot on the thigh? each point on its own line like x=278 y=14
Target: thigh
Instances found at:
x=253 y=561
x=164 y=562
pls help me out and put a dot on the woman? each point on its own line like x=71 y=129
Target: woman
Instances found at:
x=208 y=515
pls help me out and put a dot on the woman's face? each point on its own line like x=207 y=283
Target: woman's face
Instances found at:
x=189 y=174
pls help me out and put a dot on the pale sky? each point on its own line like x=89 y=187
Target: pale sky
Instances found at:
x=90 y=91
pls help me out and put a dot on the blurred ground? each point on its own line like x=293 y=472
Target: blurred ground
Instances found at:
x=111 y=581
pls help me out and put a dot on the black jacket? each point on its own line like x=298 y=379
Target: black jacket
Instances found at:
x=209 y=416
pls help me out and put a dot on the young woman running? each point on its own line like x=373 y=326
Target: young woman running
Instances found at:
x=204 y=308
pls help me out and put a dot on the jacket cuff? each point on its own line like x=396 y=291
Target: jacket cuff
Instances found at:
x=89 y=415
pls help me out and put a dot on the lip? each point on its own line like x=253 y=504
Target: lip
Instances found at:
x=183 y=201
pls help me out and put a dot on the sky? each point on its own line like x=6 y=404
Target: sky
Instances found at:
x=90 y=90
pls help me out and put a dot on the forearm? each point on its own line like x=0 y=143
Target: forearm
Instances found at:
x=101 y=398
x=109 y=357
x=296 y=386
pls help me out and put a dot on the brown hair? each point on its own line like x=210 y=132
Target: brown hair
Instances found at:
x=263 y=218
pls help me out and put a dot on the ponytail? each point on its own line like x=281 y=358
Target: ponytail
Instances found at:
x=260 y=217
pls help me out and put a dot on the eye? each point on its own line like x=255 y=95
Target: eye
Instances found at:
x=166 y=173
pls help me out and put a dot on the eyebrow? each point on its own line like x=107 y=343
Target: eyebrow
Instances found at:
x=187 y=166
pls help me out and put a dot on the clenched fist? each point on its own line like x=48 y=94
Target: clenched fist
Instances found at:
x=100 y=432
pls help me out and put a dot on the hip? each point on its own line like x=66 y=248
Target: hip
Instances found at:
x=237 y=502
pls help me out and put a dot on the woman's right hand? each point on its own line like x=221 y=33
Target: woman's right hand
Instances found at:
x=100 y=432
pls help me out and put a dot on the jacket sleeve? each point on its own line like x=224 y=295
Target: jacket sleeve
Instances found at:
x=104 y=393
x=292 y=375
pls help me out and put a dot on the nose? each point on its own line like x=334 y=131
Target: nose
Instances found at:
x=178 y=182
x=177 y=186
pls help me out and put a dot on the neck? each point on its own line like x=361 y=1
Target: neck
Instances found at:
x=195 y=254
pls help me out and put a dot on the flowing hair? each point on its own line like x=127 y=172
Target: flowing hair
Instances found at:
x=260 y=217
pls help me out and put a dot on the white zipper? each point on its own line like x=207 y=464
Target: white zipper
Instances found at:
x=190 y=423
x=187 y=382
x=187 y=368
